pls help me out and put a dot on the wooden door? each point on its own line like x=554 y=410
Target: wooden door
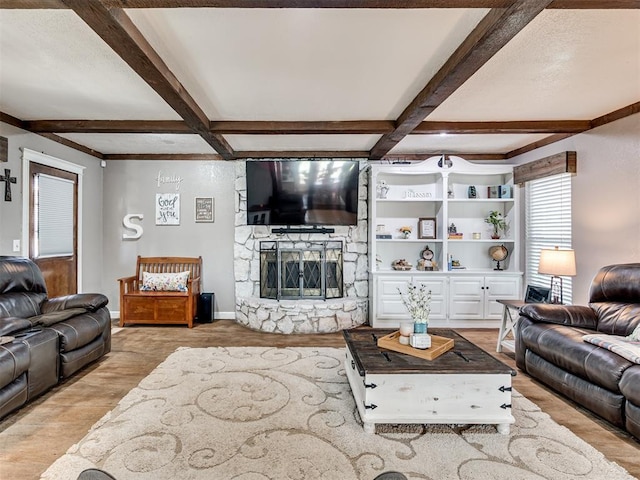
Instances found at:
x=59 y=263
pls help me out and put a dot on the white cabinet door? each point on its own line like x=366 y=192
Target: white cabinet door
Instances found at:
x=437 y=286
x=389 y=302
x=466 y=298
x=475 y=297
x=499 y=287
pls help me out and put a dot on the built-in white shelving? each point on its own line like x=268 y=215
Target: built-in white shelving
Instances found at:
x=456 y=194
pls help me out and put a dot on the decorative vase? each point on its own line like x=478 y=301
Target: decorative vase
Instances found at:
x=420 y=326
x=406 y=329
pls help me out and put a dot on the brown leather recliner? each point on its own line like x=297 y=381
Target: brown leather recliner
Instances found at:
x=550 y=347
x=44 y=340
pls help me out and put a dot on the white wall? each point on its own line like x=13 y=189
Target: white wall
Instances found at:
x=11 y=212
x=605 y=197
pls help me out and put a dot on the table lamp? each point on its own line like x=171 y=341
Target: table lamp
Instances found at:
x=557 y=263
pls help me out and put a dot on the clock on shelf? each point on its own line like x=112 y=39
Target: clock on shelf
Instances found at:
x=426 y=261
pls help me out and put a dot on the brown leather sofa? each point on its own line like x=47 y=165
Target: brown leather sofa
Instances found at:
x=44 y=340
x=550 y=347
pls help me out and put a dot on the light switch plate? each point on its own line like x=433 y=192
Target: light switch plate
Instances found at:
x=16 y=245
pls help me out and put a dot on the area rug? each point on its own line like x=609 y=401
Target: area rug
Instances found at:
x=268 y=413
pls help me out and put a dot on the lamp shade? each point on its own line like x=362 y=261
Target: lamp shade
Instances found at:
x=557 y=262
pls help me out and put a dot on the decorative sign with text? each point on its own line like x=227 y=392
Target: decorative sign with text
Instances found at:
x=204 y=209
x=174 y=179
x=167 y=209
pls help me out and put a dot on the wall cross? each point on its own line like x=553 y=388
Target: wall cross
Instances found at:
x=8 y=179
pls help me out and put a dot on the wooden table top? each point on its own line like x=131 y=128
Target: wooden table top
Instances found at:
x=465 y=357
x=512 y=303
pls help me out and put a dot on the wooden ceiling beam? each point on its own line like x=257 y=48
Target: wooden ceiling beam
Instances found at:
x=616 y=115
x=596 y=122
x=389 y=4
x=32 y=5
x=356 y=127
x=538 y=144
x=526 y=126
x=309 y=3
x=119 y=32
x=492 y=33
x=11 y=120
x=306 y=128
x=71 y=144
x=302 y=154
x=16 y=122
x=423 y=156
x=394 y=4
x=595 y=4
x=108 y=126
x=163 y=156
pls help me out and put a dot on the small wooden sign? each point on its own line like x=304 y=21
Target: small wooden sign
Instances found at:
x=439 y=345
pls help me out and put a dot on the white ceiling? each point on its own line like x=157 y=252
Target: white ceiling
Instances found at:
x=304 y=64
x=290 y=64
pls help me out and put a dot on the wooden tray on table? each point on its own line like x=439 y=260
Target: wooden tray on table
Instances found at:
x=439 y=345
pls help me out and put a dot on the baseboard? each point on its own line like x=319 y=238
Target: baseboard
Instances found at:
x=115 y=314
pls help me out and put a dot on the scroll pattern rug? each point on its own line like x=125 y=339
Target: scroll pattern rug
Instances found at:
x=267 y=413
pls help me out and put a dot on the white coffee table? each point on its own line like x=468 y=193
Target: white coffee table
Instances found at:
x=466 y=385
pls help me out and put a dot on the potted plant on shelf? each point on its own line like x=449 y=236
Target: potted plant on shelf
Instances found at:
x=497 y=221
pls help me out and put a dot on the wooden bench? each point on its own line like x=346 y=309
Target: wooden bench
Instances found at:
x=160 y=307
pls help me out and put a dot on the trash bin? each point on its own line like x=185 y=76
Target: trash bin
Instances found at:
x=206 y=303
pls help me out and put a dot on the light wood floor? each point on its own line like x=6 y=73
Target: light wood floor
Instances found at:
x=36 y=435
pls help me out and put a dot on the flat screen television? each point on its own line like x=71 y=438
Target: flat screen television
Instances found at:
x=302 y=192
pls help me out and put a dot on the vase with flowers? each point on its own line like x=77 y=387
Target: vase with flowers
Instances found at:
x=417 y=300
x=405 y=231
x=497 y=221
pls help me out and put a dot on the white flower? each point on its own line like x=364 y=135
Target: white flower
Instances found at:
x=418 y=302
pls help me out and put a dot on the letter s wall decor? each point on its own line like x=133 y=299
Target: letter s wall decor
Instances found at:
x=126 y=221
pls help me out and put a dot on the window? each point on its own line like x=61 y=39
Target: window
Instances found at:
x=548 y=224
x=53 y=219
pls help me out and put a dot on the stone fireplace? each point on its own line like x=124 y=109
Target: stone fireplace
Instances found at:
x=300 y=282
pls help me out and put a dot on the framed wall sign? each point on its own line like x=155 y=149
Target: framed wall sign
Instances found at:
x=167 y=209
x=204 y=209
x=427 y=227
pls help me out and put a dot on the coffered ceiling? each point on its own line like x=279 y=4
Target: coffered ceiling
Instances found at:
x=226 y=79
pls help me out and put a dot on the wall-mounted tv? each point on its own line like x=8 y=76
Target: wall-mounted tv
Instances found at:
x=302 y=192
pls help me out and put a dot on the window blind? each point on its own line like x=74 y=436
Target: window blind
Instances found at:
x=547 y=225
x=54 y=216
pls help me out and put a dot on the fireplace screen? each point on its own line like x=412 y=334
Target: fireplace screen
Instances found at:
x=291 y=270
